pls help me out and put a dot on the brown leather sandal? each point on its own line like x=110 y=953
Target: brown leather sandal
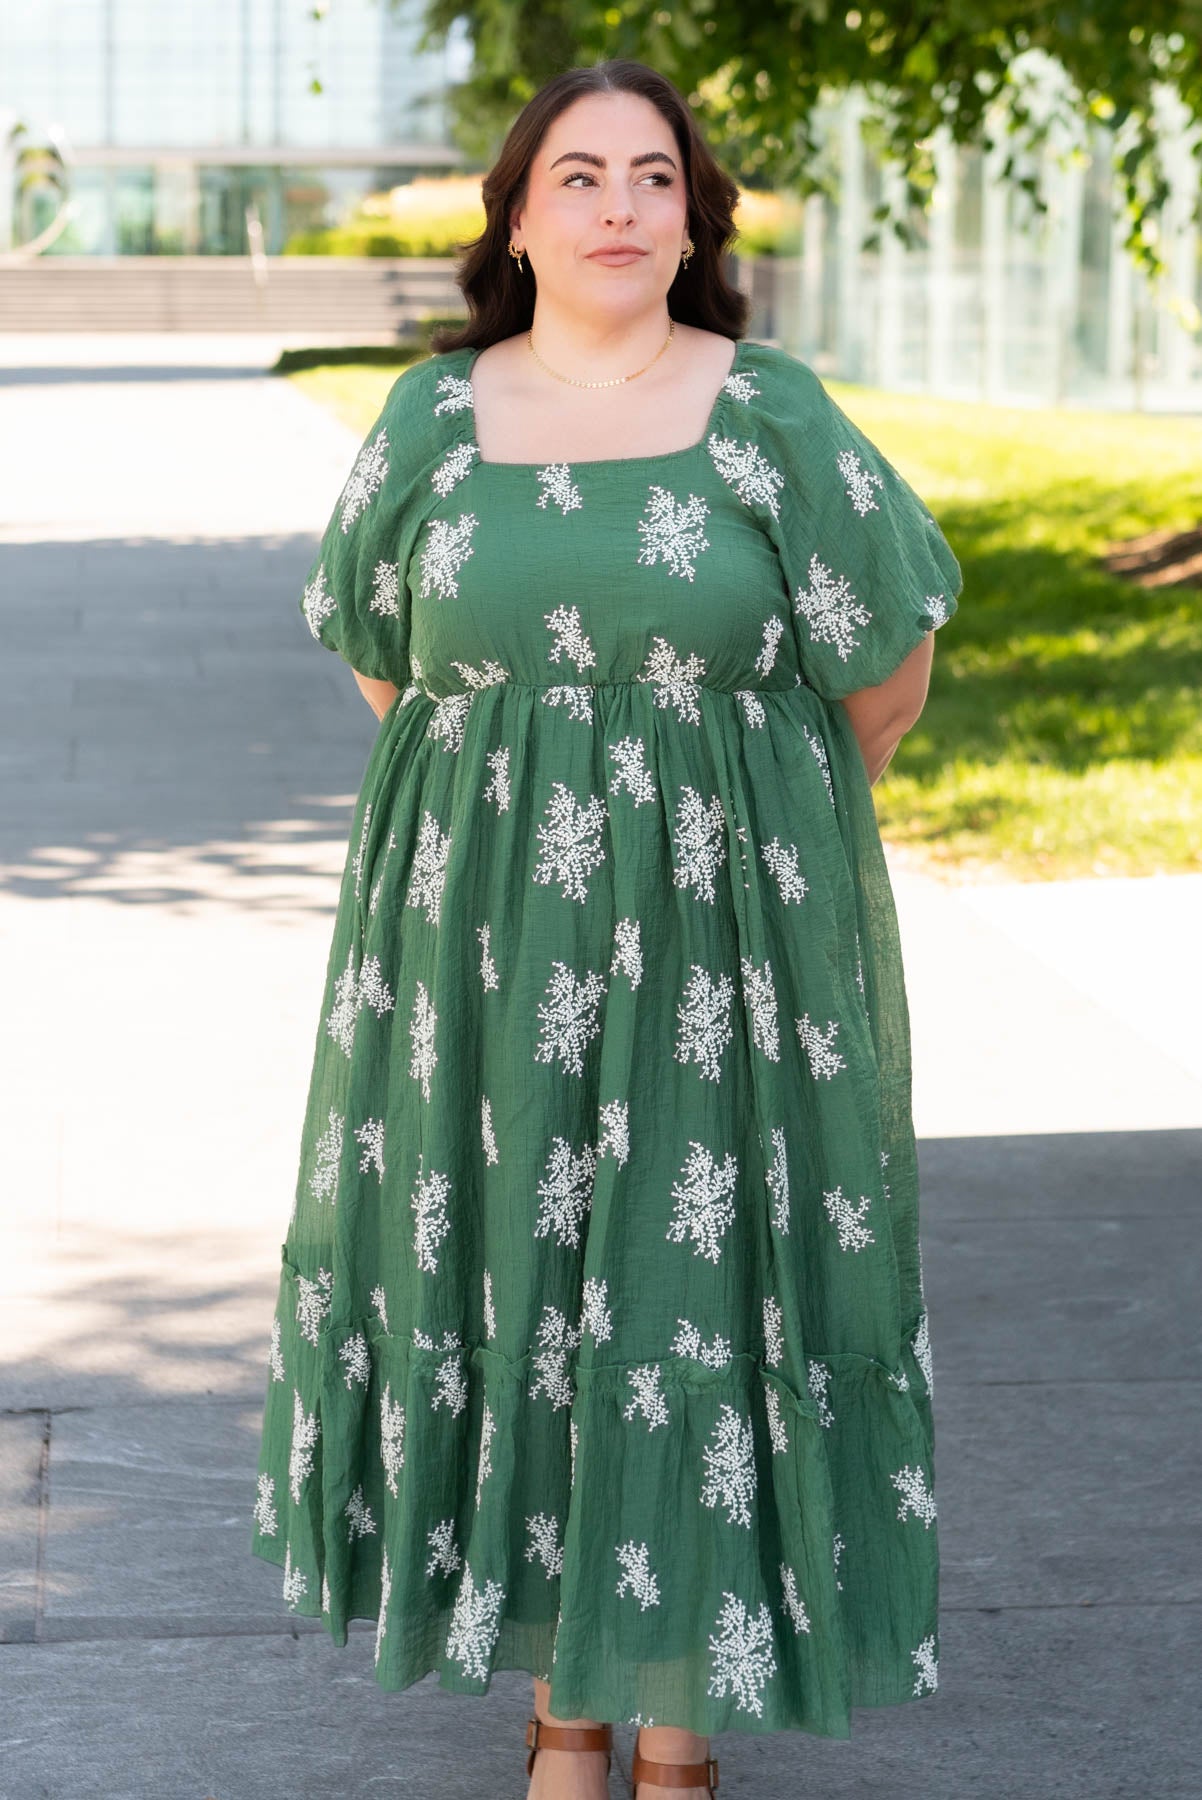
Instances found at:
x=540 y=1735
x=694 y=1774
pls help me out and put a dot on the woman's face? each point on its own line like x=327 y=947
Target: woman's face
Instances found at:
x=607 y=171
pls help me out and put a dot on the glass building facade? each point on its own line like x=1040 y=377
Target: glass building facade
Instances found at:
x=175 y=115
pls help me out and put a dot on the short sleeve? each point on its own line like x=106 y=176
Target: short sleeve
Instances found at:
x=355 y=599
x=869 y=568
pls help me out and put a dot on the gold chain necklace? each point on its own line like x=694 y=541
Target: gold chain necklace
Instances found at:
x=615 y=380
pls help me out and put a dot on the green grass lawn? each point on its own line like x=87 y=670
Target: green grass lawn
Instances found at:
x=1062 y=735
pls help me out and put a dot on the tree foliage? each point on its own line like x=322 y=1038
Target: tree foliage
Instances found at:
x=997 y=73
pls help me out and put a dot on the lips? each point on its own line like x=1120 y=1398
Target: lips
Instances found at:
x=615 y=255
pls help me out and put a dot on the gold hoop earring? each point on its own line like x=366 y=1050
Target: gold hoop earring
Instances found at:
x=514 y=251
x=690 y=246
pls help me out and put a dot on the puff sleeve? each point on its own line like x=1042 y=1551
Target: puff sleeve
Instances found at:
x=355 y=599
x=869 y=569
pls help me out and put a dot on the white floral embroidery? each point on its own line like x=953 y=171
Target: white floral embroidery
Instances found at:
x=558 y=1340
x=371 y=1135
x=858 y=482
x=296 y=1582
x=759 y=1000
x=741 y=1655
x=776 y=1423
x=377 y=885
x=385 y=1595
x=275 y=1356
x=380 y=1302
x=318 y=602
x=595 y=1316
x=490 y=675
x=265 y=1515
x=445 y=1554
x=614 y=1133
x=448 y=719
x=306 y=1429
x=782 y=860
x=773 y=631
x=475 y=1624
x=738 y=384
x=705 y=1208
x=488 y=1426
x=636 y=1574
x=458 y=391
x=847 y=1219
x=703 y=1016
x=313 y=1301
x=365 y=479
x=392 y=1437
x=938 y=610
x=447 y=548
x=353 y=990
x=671 y=531
x=830 y=609
x=776 y=1179
x=423 y=1025
x=571 y=842
x=356 y=1360
x=569 y=1018
x=699 y=842
x=922 y=1351
x=751 y=475
x=676 y=682
x=428 y=1203
x=570 y=637
x=648 y=1397
x=819 y=1046
x=488 y=1137
x=455 y=465
x=543 y=1531
x=450 y=1383
x=792 y=1605
x=323 y=1183
x=632 y=774
x=689 y=1342
x=754 y=710
x=818 y=1380
x=360 y=1522
x=386 y=590
x=628 y=952
x=488 y=968
x=429 y=873
x=730 y=1461
x=927 y=1679
x=557 y=485
x=819 y=748
x=916 y=1497
x=774 y=1340
x=498 y=787
x=575 y=697
x=565 y=1191
x=837 y=1548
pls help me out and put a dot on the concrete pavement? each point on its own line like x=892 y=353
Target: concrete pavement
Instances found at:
x=181 y=764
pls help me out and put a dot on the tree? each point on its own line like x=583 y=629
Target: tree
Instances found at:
x=758 y=77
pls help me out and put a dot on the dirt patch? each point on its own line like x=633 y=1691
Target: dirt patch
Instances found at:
x=1160 y=559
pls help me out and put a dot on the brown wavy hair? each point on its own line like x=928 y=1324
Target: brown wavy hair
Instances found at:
x=500 y=297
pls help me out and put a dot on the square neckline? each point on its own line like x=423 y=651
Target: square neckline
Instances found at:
x=604 y=462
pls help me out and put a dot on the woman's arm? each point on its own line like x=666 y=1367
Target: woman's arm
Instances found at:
x=881 y=716
x=378 y=694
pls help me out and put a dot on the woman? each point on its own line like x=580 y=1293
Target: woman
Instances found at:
x=601 y=1348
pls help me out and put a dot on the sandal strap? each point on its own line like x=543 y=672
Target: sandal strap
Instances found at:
x=540 y=1735
x=694 y=1774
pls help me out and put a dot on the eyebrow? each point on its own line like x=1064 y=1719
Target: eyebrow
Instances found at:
x=598 y=162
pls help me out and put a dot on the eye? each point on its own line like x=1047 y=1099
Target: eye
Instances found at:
x=582 y=175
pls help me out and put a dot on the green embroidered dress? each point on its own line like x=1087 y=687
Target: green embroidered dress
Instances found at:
x=601 y=1348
